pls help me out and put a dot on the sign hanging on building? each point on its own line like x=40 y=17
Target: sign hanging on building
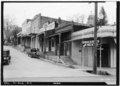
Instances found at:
x=45 y=25
x=51 y=26
x=48 y=26
x=41 y=30
x=89 y=43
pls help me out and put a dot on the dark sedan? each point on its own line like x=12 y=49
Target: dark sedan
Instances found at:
x=33 y=53
x=6 y=57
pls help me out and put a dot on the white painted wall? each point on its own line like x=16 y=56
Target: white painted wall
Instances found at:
x=75 y=54
x=88 y=53
x=85 y=57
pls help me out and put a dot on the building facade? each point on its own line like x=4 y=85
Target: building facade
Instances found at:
x=70 y=42
x=23 y=37
x=83 y=47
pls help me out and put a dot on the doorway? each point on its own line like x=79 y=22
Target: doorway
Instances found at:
x=105 y=59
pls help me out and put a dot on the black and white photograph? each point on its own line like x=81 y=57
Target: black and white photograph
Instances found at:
x=59 y=42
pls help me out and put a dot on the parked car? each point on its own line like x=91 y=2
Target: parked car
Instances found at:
x=33 y=53
x=6 y=57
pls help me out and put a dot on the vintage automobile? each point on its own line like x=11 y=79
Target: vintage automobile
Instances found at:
x=6 y=57
x=33 y=53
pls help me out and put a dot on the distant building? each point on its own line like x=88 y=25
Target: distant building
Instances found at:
x=90 y=20
x=25 y=26
x=23 y=37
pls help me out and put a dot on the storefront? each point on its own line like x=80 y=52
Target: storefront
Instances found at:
x=33 y=41
x=19 y=39
x=83 y=47
x=51 y=44
x=41 y=42
x=64 y=45
x=50 y=41
x=47 y=42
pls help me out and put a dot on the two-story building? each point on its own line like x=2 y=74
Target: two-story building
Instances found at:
x=38 y=31
x=23 y=36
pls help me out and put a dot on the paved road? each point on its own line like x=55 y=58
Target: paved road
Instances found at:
x=24 y=68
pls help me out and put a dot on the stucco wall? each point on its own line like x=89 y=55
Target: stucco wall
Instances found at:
x=82 y=55
x=88 y=53
x=88 y=56
x=75 y=54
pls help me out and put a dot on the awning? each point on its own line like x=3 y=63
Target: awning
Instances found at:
x=67 y=27
x=40 y=33
x=52 y=35
x=104 y=31
x=25 y=35
x=49 y=33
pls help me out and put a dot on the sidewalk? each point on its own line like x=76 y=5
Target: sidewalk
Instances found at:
x=111 y=71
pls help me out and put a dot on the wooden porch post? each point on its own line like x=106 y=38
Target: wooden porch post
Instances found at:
x=31 y=42
x=59 y=44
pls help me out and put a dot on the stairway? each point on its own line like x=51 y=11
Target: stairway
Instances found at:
x=67 y=60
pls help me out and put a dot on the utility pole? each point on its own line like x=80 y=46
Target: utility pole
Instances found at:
x=95 y=41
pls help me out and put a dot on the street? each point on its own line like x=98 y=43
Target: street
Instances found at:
x=24 y=68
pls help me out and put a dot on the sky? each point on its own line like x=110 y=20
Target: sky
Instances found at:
x=21 y=11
